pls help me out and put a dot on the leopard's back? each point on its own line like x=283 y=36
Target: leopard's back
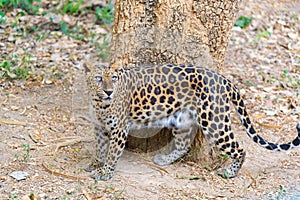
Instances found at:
x=169 y=95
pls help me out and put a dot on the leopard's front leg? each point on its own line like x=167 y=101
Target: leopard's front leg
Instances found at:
x=116 y=147
x=102 y=138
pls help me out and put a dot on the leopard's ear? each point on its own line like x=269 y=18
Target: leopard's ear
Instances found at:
x=114 y=66
x=87 y=67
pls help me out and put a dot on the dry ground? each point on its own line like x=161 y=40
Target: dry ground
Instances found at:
x=45 y=131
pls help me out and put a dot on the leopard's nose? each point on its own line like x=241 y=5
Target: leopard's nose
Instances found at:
x=108 y=92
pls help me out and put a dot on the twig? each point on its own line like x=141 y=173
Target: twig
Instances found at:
x=24 y=110
x=61 y=174
x=156 y=167
x=269 y=125
x=7 y=121
x=57 y=144
x=67 y=141
x=86 y=194
x=253 y=182
x=33 y=138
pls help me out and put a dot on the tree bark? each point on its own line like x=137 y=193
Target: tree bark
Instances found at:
x=148 y=32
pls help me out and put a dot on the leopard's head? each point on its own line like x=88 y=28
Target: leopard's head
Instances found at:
x=102 y=82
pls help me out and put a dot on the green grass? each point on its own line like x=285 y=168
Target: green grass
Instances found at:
x=105 y=15
x=103 y=49
x=262 y=34
x=72 y=7
x=289 y=80
x=116 y=194
x=13 y=196
x=243 y=21
x=2 y=17
x=74 y=32
x=26 y=154
x=15 y=67
x=10 y=71
x=27 y=5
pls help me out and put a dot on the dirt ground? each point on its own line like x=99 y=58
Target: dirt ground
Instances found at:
x=45 y=131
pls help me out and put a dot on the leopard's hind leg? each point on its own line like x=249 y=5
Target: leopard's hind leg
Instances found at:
x=236 y=153
x=182 y=140
x=217 y=128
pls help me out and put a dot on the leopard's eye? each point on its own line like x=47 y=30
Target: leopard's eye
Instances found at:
x=114 y=78
x=98 y=78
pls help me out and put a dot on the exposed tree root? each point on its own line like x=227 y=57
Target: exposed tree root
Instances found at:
x=61 y=174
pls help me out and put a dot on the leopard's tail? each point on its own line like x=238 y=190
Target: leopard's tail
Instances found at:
x=244 y=117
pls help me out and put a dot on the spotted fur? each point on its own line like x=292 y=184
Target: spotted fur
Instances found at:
x=173 y=96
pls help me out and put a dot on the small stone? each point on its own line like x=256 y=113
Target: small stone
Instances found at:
x=237 y=29
x=48 y=82
x=19 y=175
x=11 y=38
x=70 y=191
x=43 y=195
x=293 y=35
x=55 y=57
x=14 y=108
x=281 y=22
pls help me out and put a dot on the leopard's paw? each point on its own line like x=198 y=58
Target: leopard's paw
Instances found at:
x=161 y=160
x=101 y=175
x=225 y=173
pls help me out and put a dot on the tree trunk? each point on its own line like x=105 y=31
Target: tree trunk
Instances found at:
x=150 y=32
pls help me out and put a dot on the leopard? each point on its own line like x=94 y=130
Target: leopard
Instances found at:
x=174 y=96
